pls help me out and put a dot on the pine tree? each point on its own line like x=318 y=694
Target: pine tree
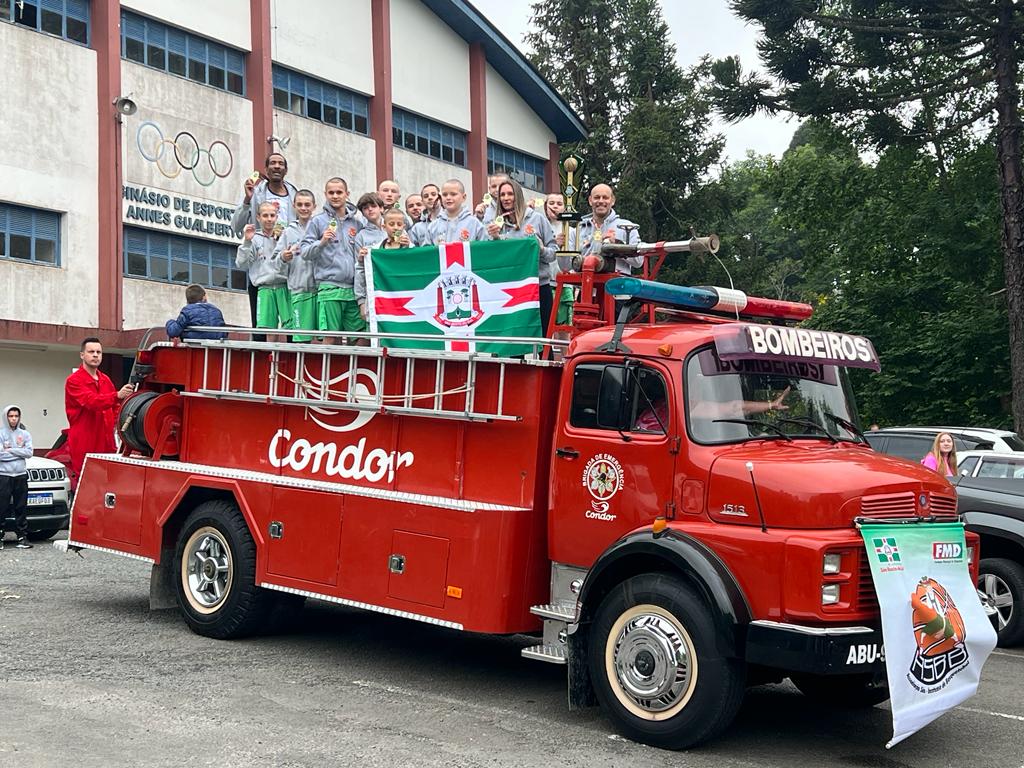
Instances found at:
x=573 y=48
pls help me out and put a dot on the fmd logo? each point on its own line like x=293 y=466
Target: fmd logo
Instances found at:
x=947 y=550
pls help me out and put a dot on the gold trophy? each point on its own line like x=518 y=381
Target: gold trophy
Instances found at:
x=570 y=172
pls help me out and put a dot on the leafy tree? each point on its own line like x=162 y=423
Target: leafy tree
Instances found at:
x=940 y=73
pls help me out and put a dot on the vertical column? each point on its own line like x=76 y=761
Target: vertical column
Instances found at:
x=105 y=30
x=476 y=142
x=258 y=76
x=551 y=180
x=381 y=103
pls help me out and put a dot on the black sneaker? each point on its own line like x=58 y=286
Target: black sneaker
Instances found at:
x=23 y=543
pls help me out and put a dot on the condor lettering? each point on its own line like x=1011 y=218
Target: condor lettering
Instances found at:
x=348 y=462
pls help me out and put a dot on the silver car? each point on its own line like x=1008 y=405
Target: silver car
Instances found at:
x=49 y=493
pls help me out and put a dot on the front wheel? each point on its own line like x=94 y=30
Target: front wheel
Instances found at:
x=655 y=666
x=215 y=567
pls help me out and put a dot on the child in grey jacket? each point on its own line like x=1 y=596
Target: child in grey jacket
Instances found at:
x=329 y=243
x=15 y=447
x=301 y=273
x=269 y=275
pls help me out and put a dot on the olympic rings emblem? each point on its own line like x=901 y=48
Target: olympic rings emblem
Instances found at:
x=183 y=153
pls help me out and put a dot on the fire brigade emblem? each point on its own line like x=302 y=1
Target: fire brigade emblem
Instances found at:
x=458 y=300
x=602 y=477
x=940 y=636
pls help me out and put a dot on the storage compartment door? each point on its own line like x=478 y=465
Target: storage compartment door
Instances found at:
x=304 y=535
x=419 y=568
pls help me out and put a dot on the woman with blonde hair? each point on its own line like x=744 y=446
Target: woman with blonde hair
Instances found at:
x=942 y=456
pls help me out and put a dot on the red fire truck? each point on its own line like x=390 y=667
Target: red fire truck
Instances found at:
x=669 y=506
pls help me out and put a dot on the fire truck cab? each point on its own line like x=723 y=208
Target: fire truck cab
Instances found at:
x=669 y=508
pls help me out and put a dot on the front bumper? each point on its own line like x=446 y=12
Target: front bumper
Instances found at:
x=51 y=517
x=815 y=650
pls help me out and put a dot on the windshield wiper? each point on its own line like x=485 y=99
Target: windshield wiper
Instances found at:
x=809 y=423
x=756 y=423
x=849 y=426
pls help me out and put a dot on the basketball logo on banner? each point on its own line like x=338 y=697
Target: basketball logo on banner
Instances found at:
x=183 y=153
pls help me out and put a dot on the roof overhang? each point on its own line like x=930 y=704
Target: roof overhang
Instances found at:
x=474 y=27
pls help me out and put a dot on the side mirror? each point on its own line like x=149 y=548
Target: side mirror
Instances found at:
x=612 y=400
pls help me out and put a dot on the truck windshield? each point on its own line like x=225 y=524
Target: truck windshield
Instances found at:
x=736 y=400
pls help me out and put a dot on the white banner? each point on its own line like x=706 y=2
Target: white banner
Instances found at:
x=936 y=633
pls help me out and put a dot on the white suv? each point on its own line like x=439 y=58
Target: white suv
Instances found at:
x=48 y=499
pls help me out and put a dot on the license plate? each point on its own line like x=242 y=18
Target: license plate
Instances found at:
x=40 y=499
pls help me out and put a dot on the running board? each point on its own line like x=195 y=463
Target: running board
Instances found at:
x=553 y=654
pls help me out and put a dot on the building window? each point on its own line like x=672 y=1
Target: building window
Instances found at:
x=422 y=135
x=180 y=53
x=29 y=235
x=68 y=19
x=184 y=260
x=526 y=169
x=319 y=100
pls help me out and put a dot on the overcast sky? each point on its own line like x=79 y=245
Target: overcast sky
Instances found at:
x=697 y=27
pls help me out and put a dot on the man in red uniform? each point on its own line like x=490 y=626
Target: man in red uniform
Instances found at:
x=90 y=401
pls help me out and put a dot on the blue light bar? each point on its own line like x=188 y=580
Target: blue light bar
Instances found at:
x=716 y=299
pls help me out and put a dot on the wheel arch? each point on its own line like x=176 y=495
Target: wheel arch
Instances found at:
x=675 y=553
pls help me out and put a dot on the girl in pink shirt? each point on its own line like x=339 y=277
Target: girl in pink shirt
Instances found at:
x=942 y=457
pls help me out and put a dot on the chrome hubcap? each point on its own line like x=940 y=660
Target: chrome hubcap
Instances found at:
x=999 y=595
x=652 y=662
x=208 y=569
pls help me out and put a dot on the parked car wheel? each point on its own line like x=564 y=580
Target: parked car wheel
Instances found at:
x=1002 y=580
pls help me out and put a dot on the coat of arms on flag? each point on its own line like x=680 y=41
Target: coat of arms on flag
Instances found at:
x=886 y=550
x=456 y=292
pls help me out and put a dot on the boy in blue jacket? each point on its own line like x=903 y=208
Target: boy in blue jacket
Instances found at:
x=196 y=312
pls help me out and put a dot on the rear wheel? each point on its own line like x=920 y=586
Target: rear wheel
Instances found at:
x=215 y=567
x=851 y=691
x=1002 y=581
x=655 y=665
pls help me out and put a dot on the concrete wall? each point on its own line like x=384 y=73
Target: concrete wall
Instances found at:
x=318 y=151
x=413 y=170
x=328 y=39
x=34 y=381
x=429 y=65
x=511 y=121
x=226 y=21
x=48 y=160
x=148 y=303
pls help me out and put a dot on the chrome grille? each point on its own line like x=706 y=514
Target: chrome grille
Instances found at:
x=889 y=505
x=45 y=475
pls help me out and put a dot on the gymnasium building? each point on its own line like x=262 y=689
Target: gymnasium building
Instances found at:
x=129 y=128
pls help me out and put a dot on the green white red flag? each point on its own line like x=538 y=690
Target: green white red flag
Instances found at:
x=457 y=292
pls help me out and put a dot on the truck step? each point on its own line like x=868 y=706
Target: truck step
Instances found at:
x=556 y=611
x=553 y=654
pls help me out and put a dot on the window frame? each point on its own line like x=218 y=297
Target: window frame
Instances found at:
x=181 y=50
x=177 y=249
x=635 y=373
x=296 y=93
x=443 y=143
x=527 y=169
x=39 y=219
x=73 y=10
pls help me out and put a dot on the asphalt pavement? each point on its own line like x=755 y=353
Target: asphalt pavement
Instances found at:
x=89 y=676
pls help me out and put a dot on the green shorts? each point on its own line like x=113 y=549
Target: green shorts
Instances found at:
x=273 y=306
x=304 y=316
x=338 y=310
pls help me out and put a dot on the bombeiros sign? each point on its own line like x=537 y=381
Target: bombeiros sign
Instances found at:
x=752 y=341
